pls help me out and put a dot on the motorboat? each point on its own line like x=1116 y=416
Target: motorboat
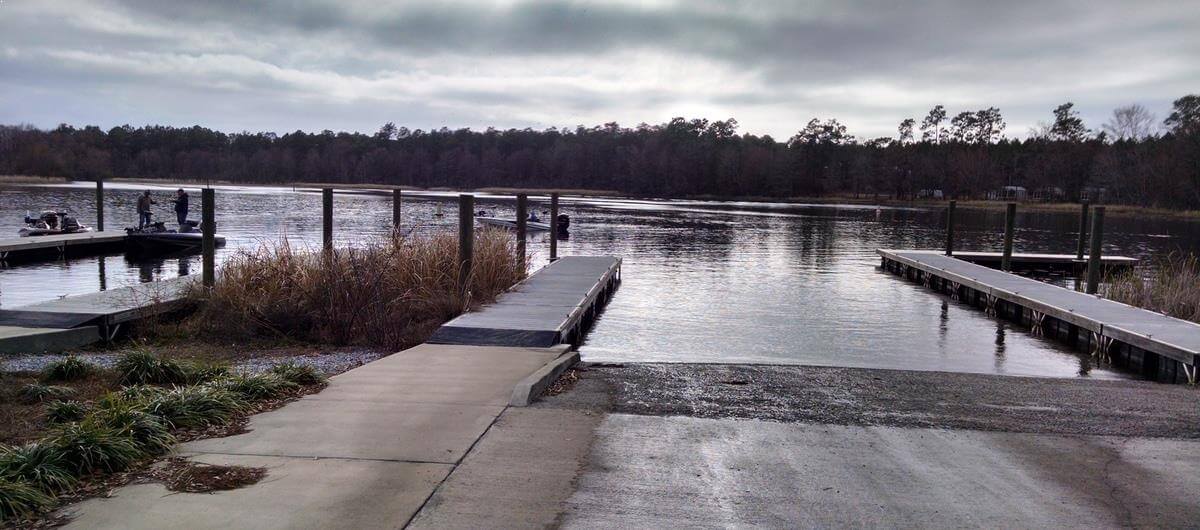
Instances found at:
x=51 y=222
x=564 y=222
x=157 y=238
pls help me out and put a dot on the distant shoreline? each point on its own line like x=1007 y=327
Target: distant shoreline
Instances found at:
x=1118 y=210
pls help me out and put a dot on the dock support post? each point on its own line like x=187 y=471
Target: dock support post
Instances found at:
x=99 y=205
x=208 y=227
x=1094 y=265
x=1010 y=220
x=553 y=226
x=950 y=228
x=1083 y=222
x=466 y=240
x=396 y=211
x=327 y=219
x=522 y=214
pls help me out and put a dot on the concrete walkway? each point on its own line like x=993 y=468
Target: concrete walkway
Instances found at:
x=367 y=452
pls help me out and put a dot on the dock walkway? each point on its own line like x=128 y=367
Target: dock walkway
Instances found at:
x=553 y=306
x=1024 y=260
x=28 y=248
x=1141 y=336
x=57 y=324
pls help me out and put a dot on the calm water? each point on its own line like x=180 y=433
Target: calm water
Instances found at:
x=703 y=281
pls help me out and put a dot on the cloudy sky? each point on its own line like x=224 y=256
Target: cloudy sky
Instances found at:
x=280 y=65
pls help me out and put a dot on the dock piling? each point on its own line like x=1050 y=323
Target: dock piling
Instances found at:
x=396 y=210
x=950 y=228
x=1083 y=222
x=1010 y=220
x=1094 y=265
x=553 y=226
x=208 y=227
x=327 y=218
x=99 y=205
x=522 y=214
x=466 y=240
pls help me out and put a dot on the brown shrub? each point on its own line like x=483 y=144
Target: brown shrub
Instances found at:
x=1171 y=286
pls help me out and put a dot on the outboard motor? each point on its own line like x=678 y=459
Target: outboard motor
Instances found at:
x=70 y=224
x=564 y=222
x=189 y=226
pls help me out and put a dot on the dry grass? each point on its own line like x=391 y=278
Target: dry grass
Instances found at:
x=391 y=292
x=1171 y=287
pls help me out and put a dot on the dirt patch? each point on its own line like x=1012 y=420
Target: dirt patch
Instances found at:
x=183 y=475
x=23 y=420
x=565 y=382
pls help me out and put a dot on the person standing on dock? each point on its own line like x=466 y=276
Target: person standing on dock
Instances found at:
x=143 y=209
x=181 y=205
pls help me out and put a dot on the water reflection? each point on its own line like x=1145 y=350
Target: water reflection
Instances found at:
x=703 y=281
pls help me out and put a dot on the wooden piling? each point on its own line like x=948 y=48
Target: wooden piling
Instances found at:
x=466 y=240
x=522 y=215
x=208 y=227
x=1094 y=265
x=950 y=228
x=1083 y=229
x=99 y=205
x=553 y=226
x=327 y=218
x=1010 y=221
x=396 y=210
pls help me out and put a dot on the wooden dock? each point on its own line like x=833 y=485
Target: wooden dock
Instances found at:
x=57 y=324
x=1034 y=261
x=553 y=306
x=1159 y=346
x=61 y=246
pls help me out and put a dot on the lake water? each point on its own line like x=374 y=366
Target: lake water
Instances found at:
x=703 y=281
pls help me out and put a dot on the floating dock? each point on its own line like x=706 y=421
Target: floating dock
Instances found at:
x=553 y=306
x=1159 y=346
x=1027 y=261
x=75 y=321
x=61 y=246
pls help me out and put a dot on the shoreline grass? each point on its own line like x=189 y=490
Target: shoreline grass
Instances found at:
x=1170 y=286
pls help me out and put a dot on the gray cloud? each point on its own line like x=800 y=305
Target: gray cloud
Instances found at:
x=282 y=65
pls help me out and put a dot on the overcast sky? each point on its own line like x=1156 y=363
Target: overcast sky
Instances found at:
x=353 y=65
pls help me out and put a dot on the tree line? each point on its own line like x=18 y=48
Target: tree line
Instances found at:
x=1131 y=159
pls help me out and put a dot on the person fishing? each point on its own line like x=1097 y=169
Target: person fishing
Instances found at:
x=181 y=205
x=533 y=218
x=143 y=209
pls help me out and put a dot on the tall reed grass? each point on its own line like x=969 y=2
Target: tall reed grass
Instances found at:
x=1170 y=286
x=391 y=292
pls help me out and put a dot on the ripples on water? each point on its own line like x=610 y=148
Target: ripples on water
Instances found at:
x=703 y=281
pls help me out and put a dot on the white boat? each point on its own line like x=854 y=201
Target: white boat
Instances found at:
x=509 y=223
x=50 y=223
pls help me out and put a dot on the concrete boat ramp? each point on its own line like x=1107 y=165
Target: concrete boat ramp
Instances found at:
x=74 y=321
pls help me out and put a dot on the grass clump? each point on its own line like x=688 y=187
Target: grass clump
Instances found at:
x=391 y=292
x=258 y=387
x=39 y=464
x=20 y=499
x=196 y=406
x=301 y=374
x=90 y=446
x=197 y=372
x=71 y=368
x=128 y=416
x=1170 y=286
x=58 y=412
x=37 y=392
x=144 y=368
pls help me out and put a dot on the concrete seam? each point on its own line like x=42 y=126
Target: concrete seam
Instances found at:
x=313 y=457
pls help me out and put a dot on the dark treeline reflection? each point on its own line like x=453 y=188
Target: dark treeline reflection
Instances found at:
x=964 y=157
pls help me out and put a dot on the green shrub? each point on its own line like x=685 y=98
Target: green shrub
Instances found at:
x=140 y=393
x=301 y=374
x=70 y=369
x=37 y=392
x=90 y=446
x=65 y=411
x=145 y=368
x=256 y=387
x=36 y=463
x=18 y=499
x=129 y=418
x=197 y=372
x=194 y=406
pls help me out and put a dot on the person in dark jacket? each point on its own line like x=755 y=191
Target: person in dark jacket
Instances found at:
x=181 y=205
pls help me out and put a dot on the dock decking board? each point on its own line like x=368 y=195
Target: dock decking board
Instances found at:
x=19 y=248
x=546 y=309
x=1153 y=332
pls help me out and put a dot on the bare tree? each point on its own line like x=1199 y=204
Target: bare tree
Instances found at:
x=1131 y=122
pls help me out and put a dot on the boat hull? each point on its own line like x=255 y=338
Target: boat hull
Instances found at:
x=507 y=223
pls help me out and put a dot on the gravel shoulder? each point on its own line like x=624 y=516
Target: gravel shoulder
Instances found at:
x=896 y=398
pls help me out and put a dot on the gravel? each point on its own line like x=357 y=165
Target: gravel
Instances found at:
x=329 y=363
x=898 y=398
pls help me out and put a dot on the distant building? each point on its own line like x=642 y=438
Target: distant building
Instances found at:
x=1009 y=193
x=930 y=194
x=1049 y=194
